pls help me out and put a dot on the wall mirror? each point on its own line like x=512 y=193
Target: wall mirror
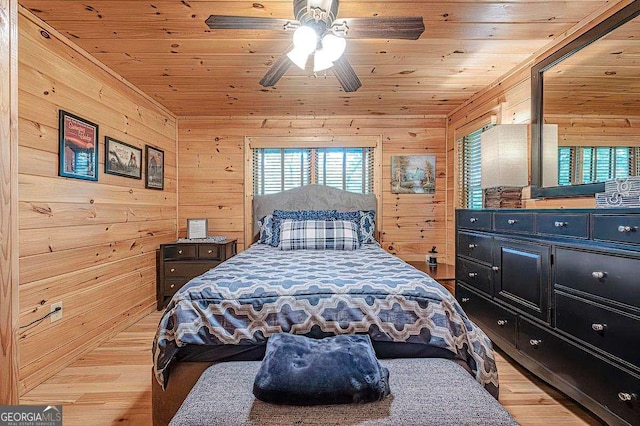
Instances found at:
x=585 y=123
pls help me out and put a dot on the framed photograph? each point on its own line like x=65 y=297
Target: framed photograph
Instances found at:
x=155 y=168
x=197 y=228
x=413 y=174
x=122 y=159
x=78 y=143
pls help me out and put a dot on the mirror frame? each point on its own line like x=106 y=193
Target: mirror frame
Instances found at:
x=619 y=18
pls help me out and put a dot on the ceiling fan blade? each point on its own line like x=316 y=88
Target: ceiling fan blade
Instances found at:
x=277 y=70
x=221 y=22
x=406 y=28
x=346 y=75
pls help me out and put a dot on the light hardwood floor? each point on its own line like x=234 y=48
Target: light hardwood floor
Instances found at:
x=112 y=385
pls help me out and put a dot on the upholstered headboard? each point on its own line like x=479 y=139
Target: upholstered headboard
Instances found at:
x=310 y=197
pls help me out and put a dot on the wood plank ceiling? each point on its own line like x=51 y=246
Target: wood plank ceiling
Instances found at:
x=165 y=48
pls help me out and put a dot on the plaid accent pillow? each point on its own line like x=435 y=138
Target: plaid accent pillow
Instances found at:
x=279 y=215
x=318 y=235
x=367 y=227
x=265 y=226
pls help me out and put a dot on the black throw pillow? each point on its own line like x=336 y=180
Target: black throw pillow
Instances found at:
x=299 y=370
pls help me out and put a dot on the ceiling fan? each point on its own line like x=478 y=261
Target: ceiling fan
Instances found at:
x=320 y=35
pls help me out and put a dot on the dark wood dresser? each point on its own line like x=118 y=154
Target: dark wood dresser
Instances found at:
x=559 y=292
x=179 y=262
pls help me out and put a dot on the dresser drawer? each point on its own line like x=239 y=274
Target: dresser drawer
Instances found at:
x=180 y=251
x=474 y=274
x=487 y=314
x=476 y=246
x=474 y=219
x=513 y=222
x=592 y=375
x=563 y=224
x=171 y=286
x=209 y=251
x=618 y=228
x=612 y=331
x=187 y=269
x=582 y=271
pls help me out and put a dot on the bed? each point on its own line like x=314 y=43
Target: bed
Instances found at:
x=228 y=313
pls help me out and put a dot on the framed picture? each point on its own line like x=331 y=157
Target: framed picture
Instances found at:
x=155 y=168
x=413 y=174
x=78 y=142
x=122 y=159
x=197 y=228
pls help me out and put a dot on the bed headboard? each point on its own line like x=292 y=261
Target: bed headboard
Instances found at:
x=311 y=197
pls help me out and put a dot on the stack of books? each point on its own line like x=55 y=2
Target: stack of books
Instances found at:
x=503 y=197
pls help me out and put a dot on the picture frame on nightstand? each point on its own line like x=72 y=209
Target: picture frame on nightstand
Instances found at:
x=197 y=228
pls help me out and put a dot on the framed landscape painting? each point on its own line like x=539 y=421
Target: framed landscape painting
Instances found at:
x=122 y=159
x=413 y=174
x=78 y=141
x=155 y=168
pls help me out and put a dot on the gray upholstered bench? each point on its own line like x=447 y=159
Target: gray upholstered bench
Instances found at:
x=423 y=392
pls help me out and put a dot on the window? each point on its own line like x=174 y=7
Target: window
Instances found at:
x=469 y=170
x=279 y=169
x=588 y=164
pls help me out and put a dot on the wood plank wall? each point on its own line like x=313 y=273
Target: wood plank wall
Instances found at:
x=90 y=245
x=8 y=202
x=211 y=183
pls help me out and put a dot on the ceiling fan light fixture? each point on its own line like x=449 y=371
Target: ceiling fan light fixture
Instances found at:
x=299 y=57
x=305 y=39
x=322 y=60
x=334 y=46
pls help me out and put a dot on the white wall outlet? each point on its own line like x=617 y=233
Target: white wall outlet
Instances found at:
x=56 y=316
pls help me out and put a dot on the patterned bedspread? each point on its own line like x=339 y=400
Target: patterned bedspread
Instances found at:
x=264 y=290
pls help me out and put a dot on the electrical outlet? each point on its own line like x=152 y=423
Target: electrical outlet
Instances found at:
x=56 y=316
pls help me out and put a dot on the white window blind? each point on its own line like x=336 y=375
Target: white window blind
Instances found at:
x=588 y=164
x=470 y=171
x=279 y=169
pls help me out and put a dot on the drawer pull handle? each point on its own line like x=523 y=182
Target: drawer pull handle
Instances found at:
x=626 y=396
x=623 y=228
x=502 y=323
x=173 y=269
x=535 y=342
x=473 y=274
x=512 y=221
x=472 y=246
x=598 y=327
x=560 y=224
x=598 y=274
x=179 y=251
x=473 y=220
x=210 y=251
x=465 y=299
x=495 y=268
x=172 y=285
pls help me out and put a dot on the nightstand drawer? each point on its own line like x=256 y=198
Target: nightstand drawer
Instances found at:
x=171 y=286
x=474 y=219
x=617 y=228
x=209 y=251
x=563 y=224
x=513 y=222
x=599 y=274
x=187 y=269
x=474 y=274
x=476 y=246
x=487 y=314
x=612 y=331
x=180 y=251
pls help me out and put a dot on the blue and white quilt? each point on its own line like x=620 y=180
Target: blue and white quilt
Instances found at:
x=264 y=290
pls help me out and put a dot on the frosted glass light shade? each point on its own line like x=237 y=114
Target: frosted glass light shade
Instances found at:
x=321 y=61
x=549 y=155
x=504 y=159
x=334 y=46
x=305 y=39
x=299 y=57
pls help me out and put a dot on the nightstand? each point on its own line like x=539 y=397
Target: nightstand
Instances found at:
x=180 y=262
x=445 y=273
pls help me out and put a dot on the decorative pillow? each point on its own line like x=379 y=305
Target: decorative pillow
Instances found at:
x=318 y=235
x=367 y=227
x=299 y=370
x=278 y=215
x=266 y=229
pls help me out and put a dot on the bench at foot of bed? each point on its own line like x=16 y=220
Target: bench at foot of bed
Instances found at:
x=425 y=391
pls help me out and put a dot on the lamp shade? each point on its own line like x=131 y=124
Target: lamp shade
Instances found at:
x=504 y=159
x=549 y=155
